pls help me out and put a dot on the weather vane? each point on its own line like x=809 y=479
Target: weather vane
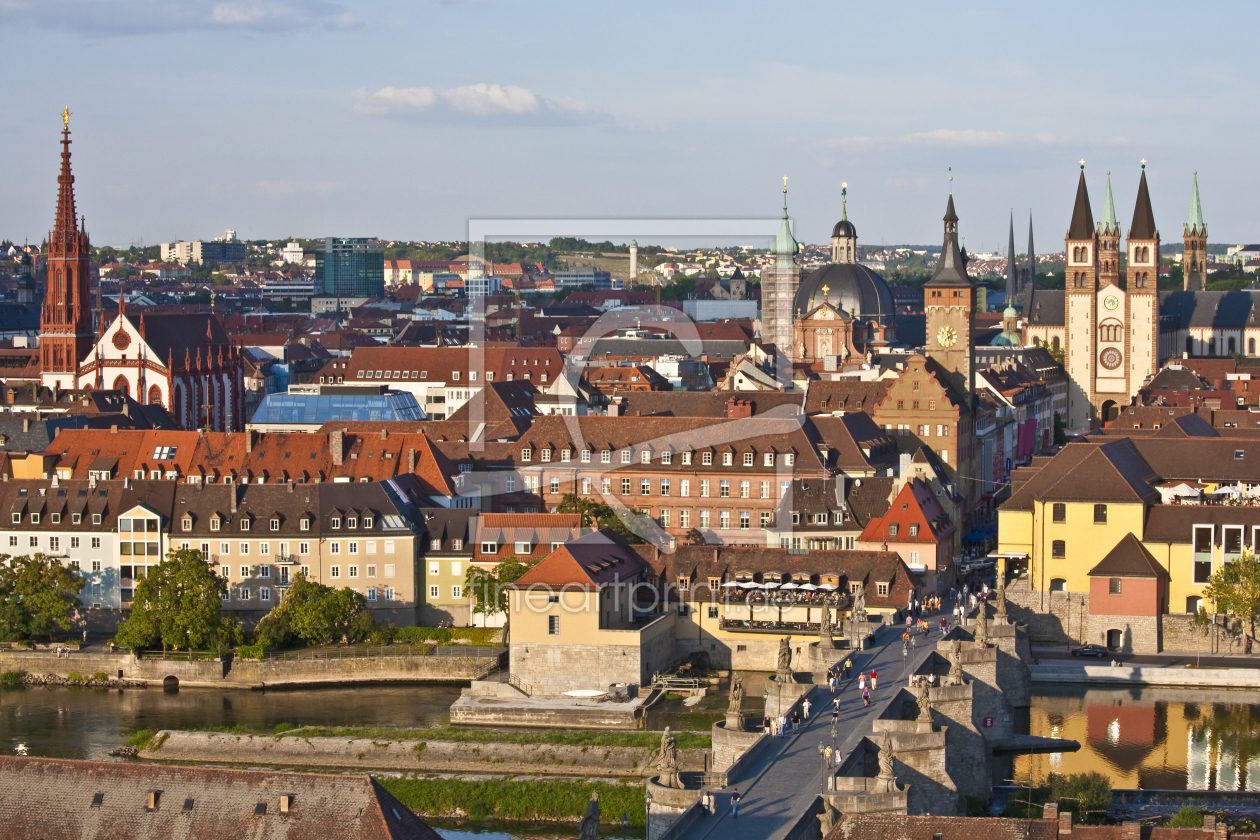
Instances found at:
x=65 y=117
x=785 y=183
x=951 y=180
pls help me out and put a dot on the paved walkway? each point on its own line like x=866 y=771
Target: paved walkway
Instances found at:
x=788 y=775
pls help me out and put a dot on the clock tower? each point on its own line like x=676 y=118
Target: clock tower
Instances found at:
x=950 y=305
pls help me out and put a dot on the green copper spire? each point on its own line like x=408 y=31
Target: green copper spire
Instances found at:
x=1109 y=210
x=1195 y=222
x=785 y=247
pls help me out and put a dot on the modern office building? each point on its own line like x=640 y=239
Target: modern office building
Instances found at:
x=350 y=267
x=586 y=275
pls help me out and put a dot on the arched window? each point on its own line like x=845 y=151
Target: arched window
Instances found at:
x=1076 y=255
x=1055 y=342
x=1212 y=346
x=120 y=384
x=1189 y=344
x=155 y=395
x=177 y=405
x=1251 y=347
x=1232 y=349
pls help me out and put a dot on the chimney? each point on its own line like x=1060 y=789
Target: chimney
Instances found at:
x=290 y=486
x=232 y=492
x=286 y=802
x=1050 y=811
x=249 y=440
x=151 y=800
x=336 y=444
x=384 y=434
x=26 y=424
x=1209 y=822
x=113 y=430
x=904 y=472
x=411 y=460
x=1131 y=830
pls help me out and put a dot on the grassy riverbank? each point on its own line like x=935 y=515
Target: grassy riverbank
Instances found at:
x=549 y=800
x=567 y=737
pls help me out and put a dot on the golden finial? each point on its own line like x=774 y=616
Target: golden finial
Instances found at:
x=785 y=184
x=65 y=117
x=1143 y=163
x=1082 y=163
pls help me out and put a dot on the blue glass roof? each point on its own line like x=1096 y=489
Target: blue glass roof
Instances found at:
x=317 y=409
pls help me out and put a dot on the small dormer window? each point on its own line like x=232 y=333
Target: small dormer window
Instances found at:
x=367 y=522
x=244 y=523
x=645 y=457
x=666 y=457
x=527 y=454
x=335 y=522
x=706 y=458
x=76 y=518
x=214 y=524
x=17 y=519
x=727 y=459
x=788 y=459
x=564 y=455
x=275 y=523
x=769 y=460
x=546 y=455
x=187 y=523
x=352 y=522
x=686 y=457
x=304 y=524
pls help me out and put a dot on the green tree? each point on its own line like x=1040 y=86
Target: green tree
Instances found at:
x=1235 y=590
x=177 y=604
x=1060 y=430
x=319 y=614
x=601 y=514
x=37 y=594
x=1088 y=794
x=486 y=587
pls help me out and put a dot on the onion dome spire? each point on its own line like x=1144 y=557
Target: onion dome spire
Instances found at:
x=785 y=245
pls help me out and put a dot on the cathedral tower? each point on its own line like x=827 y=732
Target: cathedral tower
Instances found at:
x=1081 y=249
x=1142 y=315
x=949 y=302
x=66 y=322
x=1108 y=242
x=1194 y=238
x=1012 y=273
x=778 y=287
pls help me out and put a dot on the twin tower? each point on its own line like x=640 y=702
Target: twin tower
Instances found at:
x=1111 y=321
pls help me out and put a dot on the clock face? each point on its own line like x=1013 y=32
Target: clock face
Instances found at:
x=946 y=336
x=1111 y=302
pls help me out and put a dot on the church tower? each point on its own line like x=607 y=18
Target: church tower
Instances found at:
x=1194 y=238
x=1081 y=249
x=66 y=322
x=778 y=287
x=949 y=302
x=1108 y=242
x=1143 y=291
x=1012 y=273
x=844 y=235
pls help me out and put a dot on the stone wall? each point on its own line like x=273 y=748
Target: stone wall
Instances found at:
x=552 y=669
x=729 y=746
x=1180 y=634
x=409 y=754
x=968 y=756
x=1138 y=633
x=920 y=762
x=671 y=811
x=1053 y=618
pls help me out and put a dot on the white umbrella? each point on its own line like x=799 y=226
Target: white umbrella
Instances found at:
x=830 y=587
x=1227 y=489
x=748 y=584
x=808 y=586
x=730 y=583
x=769 y=586
x=789 y=586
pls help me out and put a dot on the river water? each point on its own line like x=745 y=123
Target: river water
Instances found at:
x=1169 y=739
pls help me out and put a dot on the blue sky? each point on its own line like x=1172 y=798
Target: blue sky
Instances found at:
x=405 y=119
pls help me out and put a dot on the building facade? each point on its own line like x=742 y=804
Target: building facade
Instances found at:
x=350 y=267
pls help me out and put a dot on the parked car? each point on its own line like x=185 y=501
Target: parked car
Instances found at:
x=1091 y=650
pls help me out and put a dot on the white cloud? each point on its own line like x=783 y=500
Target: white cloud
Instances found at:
x=508 y=103
x=100 y=18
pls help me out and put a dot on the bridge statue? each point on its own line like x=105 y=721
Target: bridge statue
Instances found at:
x=590 y=820
x=824 y=630
x=1001 y=595
x=955 y=676
x=784 y=665
x=924 y=700
x=886 y=781
x=828 y=817
x=859 y=605
x=735 y=711
x=982 y=623
x=667 y=762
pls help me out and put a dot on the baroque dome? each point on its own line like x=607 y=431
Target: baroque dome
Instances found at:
x=855 y=288
x=844 y=228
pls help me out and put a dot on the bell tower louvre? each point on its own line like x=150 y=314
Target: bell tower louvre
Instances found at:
x=66 y=337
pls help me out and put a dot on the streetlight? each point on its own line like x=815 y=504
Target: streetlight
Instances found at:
x=905 y=654
x=822 y=756
x=765 y=708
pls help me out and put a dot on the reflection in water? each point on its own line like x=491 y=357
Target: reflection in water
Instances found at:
x=88 y=723
x=1163 y=738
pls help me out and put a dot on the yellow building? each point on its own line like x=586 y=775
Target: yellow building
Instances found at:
x=1112 y=540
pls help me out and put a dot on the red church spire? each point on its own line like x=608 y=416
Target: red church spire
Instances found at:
x=66 y=338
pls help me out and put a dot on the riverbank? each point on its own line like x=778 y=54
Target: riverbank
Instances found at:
x=1124 y=675
x=297 y=749
x=451 y=664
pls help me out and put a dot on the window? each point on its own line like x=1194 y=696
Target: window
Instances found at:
x=704 y=519
x=585 y=457
x=1113 y=586
x=881 y=589
x=74 y=543
x=625 y=487
x=1100 y=514
x=706 y=458
x=164 y=453
x=765 y=519
x=304 y=548
x=34 y=542
x=225 y=572
x=527 y=454
x=704 y=487
x=76 y=518
x=789 y=459
x=553 y=625
x=686 y=457
x=724 y=489
x=727 y=459
x=524 y=547
x=244 y=523
x=389 y=570
x=664 y=486
x=304 y=524
x=645 y=487
x=244 y=549
x=554 y=485
x=645 y=457
x=744 y=520
x=371 y=594
x=748 y=459
x=264 y=548
x=1058 y=549
x=244 y=571
x=335 y=522
x=54 y=543
x=769 y=459
x=914 y=530
x=546 y=455
x=334 y=548
x=435 y=545
x=96 y=542
x=684 y=519
x=265 y=571
x=433 y=591
x=564 y=455
x=334 y=571
x=264 y=594
x=244 y=594
x=489 y=548
x=664 y=517
x=1060 y=512
x=743 y=489
x=666 y=457
x=605 y=457
x=625 y=456
x=605 y=486
x=724 y=520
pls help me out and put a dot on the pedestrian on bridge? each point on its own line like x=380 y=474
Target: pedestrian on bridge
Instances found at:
x=704 y=803
x=848 y=666
x=735 y=804
x=806 y=706
x=861 y=681
x=873 y=678
x=866 y=697
x=796 y=720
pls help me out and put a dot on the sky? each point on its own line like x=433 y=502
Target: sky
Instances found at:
x=405 y=119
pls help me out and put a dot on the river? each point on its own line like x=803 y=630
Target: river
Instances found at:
x=1154 y=738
